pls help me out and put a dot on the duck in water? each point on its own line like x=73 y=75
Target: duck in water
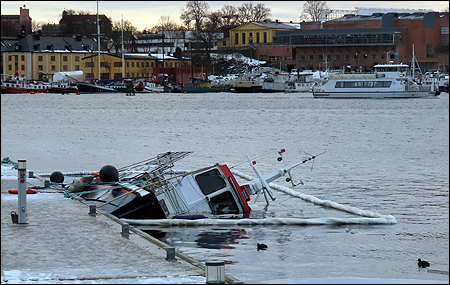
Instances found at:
x=423 y=263
x=261 y=246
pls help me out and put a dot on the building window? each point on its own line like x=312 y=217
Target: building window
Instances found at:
x=311 y=57
x=22 y=67
x=40 y=67
x=77 y=58
x=224 y=43
x=52 y=58
x=137 y=74
x=117 y=75
x=65 y=68
x=65 y=58
x=40 y=58
x=147 y=64
x=257 y=38
x=236 y=39
x=22 y=58
x=9 y=58
x=104 y=64
x=337 y=57
x=128 y=65
x=89 y=64
x=104 y=76
x=320 y=57
x=265 y=37
x=243 y=38
x=117 y=64
x=302 y=57
x=77 y=67
x=132 y=64
x=52 y=68
x=9 y=67
x=132 y=74
x=137 y=64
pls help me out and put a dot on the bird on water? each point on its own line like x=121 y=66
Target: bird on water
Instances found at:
x=423 y=263
x=261 y=246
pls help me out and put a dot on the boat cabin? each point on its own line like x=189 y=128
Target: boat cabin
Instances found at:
x=392 y=70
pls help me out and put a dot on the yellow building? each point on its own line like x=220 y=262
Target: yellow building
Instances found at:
x=253 y=33
x=41 y=65
x=135 y=65
x=35 y=57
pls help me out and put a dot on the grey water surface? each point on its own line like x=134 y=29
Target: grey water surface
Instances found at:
x=386 y=156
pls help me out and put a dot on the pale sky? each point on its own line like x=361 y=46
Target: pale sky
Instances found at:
x=147 y=13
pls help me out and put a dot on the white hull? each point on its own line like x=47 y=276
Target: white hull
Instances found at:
x=374 y=94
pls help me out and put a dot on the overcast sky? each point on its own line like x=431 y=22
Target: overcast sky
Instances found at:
x=147 y=13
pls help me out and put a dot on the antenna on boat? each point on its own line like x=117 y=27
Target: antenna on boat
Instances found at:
x=265 y=186
x=289 y=178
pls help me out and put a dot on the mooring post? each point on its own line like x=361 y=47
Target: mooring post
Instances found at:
x=22 y=191
x=215 y=272
x=92 y=210
x=125 y=230
x=170 y=253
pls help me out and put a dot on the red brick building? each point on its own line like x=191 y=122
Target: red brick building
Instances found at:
x=12 y=25
x=360 y=42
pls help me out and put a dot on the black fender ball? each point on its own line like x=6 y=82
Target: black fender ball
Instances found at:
x=57 y=177
x=109 y=173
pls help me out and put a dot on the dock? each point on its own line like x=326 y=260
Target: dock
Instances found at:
x=63 y=242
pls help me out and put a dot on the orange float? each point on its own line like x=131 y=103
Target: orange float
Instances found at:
x=29 y=191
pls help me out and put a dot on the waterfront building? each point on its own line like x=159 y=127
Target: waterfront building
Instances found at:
x=35 y=57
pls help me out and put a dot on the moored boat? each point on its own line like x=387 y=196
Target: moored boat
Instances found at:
x=19 y=86
x=388 y=81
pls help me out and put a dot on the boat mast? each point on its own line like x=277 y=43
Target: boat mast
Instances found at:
x=123 y=60
x=413 y=63
x=98 y=43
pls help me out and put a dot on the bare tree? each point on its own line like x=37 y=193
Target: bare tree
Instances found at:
x=166 y=23
x=194 y=15
x=248 y=12
x=36 y=26
x=312 y=10
x=229 y=15
x=260 y=12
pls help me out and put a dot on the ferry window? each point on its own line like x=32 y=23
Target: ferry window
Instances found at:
x=368 y=84
x=223 y=203
x=210 y=181
x=348 y=84
x=385 y=84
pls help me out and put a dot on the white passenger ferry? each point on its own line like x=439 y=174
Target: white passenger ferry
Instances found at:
x=388 y=81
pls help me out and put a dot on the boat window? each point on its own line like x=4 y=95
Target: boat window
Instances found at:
x=223 y=203
x=210 y=181
x=362 y=84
